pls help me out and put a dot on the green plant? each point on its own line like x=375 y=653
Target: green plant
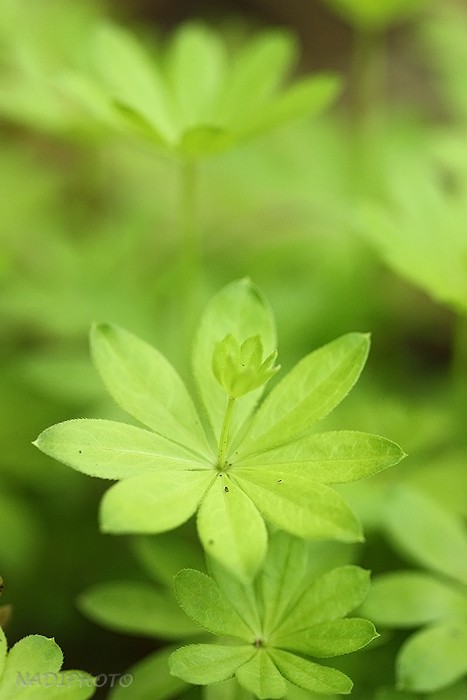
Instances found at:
x=245 y=464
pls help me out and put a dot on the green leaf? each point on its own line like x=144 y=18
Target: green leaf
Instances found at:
x=241 y=595
x=410 y=598
x=146 y=385
x=136 y=608
x=152 y=503
x=226 y=690
x=299 y=505
x=202 y=664
x=331 y=596
x=309 y=392
x=162 y=556
x=3 y=650
x=201 y=599
x=133 y=79
x=32 y=670
x=375 y=16
x=257 y=73
x=151 y=680
x=311 y=676
x=433 y=658
x=281 y=577
x=426 y=532
x=231 y=528
x=331 y=638
x=113 y=450
x=239 y=309
x=305 y=98
x=334 y=457
x=196 y=67
x=261 y=677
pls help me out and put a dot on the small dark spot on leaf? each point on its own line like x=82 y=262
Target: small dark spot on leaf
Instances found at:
x=220 y=474
x=279 y=481
x=80 y=451
x=226 y=489
x=210 y=541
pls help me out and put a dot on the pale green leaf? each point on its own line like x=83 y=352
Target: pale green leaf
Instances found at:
x=239 y=309
x=433 y=658
x=334 y=457
x=66 y=685
x=331 y=638
x=146 y=385
x=299 y=505
x=281 y=577
x=164 y=555
x=261 y=677
x=241 y=595
x=304 y=98
x=331 y=596
x=426 y=532
x=201 y=598
x=226 y=690
x=196 y=67
x=151 y=680
x=113 y=450
x=258 y=70
x=309 y=675
x=410 y=598
x=202 y=664
x=137 y=608
x=133 y=79
x=231 y=528
x=308 y=392
x=375 y=16
x=204 y=140
x=3 y=649
x=152 y=503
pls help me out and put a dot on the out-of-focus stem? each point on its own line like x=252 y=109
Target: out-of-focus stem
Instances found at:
x=367 y=80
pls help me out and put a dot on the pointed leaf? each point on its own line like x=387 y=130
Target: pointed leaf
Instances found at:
x=410 y=598
x=331 y=458
x=152 y=503
x=305 y=98
x=146 y=385
x=202 y=664
x=309 y=392
x=231 y=528
x=311 y=676
x=239 y=309
x=137 y=608
x=300 y=506
x=113 y=450
x=151 y=680
x=201 y=599
x=433 y=658
x=241 y=595
x=261 y=677
x=258 y=71
x=281 y=577
x=428 y=533
x=331 y=596
x=331 y=638
x=133 y=79
x=196 y=66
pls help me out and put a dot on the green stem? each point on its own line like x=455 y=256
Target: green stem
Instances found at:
x=224 y=439
x=459 y=361
x=189 y=236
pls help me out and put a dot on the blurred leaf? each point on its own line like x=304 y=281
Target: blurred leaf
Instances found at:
x=427 y=533
x=370 y=15
x=411 y=598
x=433 y=658
x=164 y=555
x=136 y=608
x=151 y=680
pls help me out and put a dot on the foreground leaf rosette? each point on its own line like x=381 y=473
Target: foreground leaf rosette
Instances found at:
x=270 y=628
x=242 y=465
